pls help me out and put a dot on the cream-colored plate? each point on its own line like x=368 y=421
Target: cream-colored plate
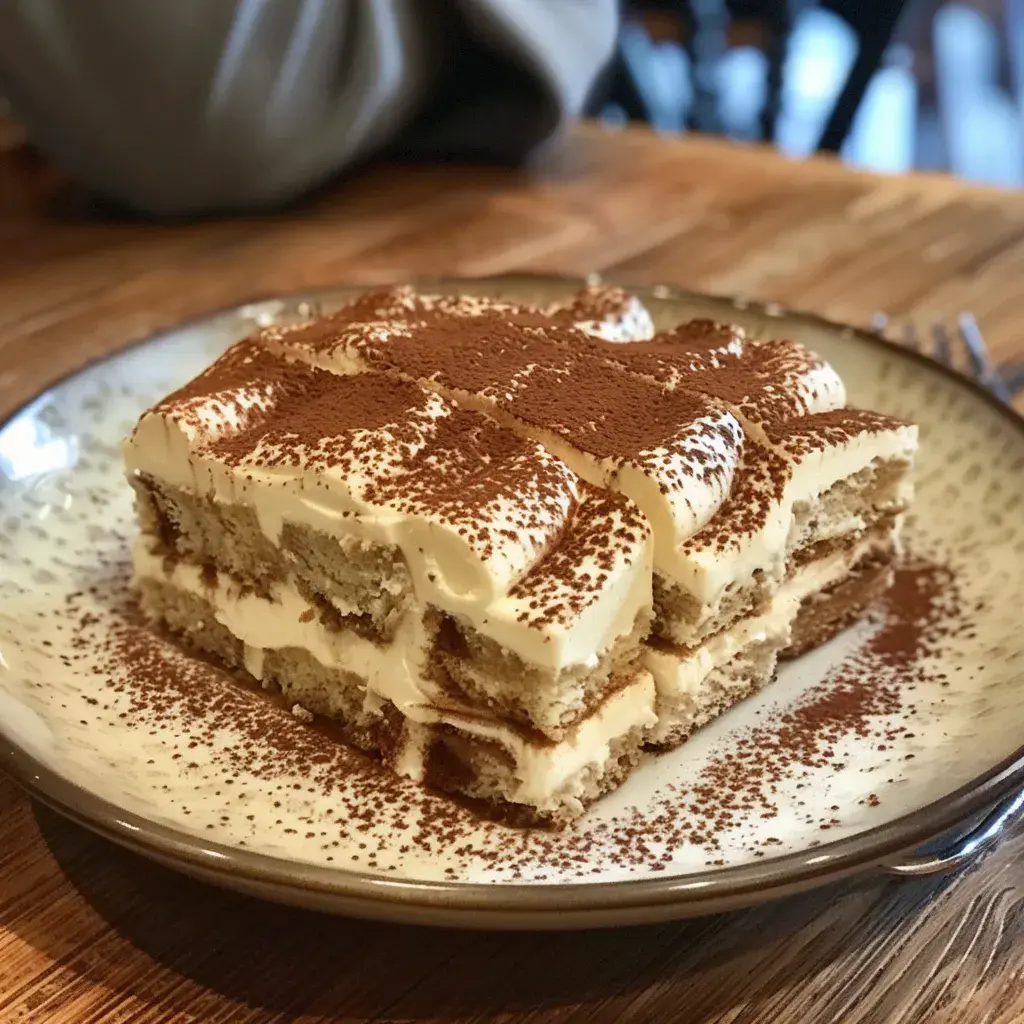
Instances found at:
x=289 y=816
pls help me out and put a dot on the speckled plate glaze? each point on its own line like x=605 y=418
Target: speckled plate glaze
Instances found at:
x=282 y=817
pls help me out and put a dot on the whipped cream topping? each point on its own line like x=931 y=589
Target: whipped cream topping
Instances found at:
x=762 y=382
x=672 y=357
x=673 y=453
x=800 y=441
x=676 y=461
x=774 y=381
x=677 y=422
x=607 y=312
x=344 y=340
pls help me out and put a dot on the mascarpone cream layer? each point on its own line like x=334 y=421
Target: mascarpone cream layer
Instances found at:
x=473 y=569
x=395 y=673
x=616 y=317
x=705 y=570
x=680 y=674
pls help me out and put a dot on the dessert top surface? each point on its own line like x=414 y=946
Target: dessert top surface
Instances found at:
x=494 y=417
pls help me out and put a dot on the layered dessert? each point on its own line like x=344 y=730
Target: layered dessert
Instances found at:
x=507 y=549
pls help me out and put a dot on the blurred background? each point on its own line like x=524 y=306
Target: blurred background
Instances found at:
x=890 y=86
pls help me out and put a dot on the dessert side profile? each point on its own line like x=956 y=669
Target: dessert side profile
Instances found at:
x=509 y=549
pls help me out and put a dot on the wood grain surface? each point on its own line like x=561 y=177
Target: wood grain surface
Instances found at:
x=91 y=933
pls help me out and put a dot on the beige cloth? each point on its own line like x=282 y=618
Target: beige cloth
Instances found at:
x=185 y=106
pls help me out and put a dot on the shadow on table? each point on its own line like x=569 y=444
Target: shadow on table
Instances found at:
x=290 y=961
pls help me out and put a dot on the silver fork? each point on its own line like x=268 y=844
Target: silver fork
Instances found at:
x=940 y=347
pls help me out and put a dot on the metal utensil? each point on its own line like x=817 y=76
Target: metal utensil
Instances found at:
x=942 y=344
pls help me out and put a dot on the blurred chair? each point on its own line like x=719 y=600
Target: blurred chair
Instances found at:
x=874 y=25
x=704 y=28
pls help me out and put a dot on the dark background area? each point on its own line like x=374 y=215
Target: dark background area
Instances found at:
x=939 y=85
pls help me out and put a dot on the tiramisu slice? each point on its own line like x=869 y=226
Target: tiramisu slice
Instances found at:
x=507 y=547
x=453 y=594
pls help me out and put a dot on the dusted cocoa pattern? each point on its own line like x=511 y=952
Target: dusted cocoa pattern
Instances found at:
x=515 y=495
x=303 y=808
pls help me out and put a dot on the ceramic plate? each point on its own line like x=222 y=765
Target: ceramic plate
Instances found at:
x=861 y=749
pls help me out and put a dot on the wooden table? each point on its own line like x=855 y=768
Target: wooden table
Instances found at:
x=91 y=933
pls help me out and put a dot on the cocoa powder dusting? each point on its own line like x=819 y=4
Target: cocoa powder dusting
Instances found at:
x=191 y=705
x=661 y=406
x=868 y=696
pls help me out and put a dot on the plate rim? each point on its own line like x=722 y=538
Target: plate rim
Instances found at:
x=518 y=905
